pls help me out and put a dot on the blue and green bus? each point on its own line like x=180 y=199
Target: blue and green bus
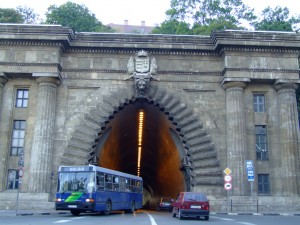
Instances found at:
x=96 y=189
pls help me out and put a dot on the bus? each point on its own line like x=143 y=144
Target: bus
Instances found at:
x=96 y=189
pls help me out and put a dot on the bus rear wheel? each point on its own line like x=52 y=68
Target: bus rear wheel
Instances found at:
x=107 y=210
x=75 y=212
x=132 y=208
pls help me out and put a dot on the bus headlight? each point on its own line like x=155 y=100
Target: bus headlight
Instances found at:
x=58 y=200
x=90 y=200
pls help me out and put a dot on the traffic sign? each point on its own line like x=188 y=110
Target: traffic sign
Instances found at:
x=228 y=178
x=228 y=186
x=250 y=170
x=227 y=171
x=250 y=174
x=21 y=172
x=249 y=164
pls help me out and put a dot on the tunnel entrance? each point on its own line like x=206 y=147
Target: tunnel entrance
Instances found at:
x=159 y=159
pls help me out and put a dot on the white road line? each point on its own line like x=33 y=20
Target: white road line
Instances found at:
x=151 y=219
x=78 y=218
x=245 y=223
x=62 y=221
x=220 y=218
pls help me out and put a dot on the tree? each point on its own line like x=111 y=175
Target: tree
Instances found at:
x=77 y=17
x=28 y=14
x=172 y=27
x=10 y=16
x=203 y=12
x=277 y=19
x=220 y=24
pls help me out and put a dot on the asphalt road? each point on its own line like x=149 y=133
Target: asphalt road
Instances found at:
x=145 y=218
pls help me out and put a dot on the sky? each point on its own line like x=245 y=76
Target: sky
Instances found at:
x=135 y=11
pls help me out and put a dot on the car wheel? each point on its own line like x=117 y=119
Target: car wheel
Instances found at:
x=179 y=215
x=173 y=213
x=107 y=210
x=206 y=217
x=75 y=212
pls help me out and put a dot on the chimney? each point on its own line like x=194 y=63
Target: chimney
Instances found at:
x=125 y=22
x=143 y=23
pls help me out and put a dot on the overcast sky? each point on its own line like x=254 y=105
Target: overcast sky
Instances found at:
x=135 y=11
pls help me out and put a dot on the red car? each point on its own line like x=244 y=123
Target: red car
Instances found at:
x=191 y=204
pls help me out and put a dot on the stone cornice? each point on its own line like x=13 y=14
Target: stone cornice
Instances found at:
x=259 y=70
x=56 y=65
x=217 y=43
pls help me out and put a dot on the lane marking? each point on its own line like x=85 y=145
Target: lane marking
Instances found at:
x=151 y=219
x=245 y=223
x=221 y=218
x=62 y=221
x=78 y=218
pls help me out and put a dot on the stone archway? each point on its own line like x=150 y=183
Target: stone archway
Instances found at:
x=199 y=164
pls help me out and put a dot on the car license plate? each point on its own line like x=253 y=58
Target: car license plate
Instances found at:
x=195 y=206
x=72 y=206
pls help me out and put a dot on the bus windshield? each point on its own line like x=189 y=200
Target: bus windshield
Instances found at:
x=76 y=181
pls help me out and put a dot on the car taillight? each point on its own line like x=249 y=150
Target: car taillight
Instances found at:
x=185 y=206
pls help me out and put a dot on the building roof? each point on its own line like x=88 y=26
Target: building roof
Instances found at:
x=127 y=28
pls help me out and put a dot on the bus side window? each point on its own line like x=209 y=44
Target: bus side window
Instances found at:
x=115 y=183
x=138 y=186
x=108 y=182
x=122 y=184
x=100 y=181
x=127 y=183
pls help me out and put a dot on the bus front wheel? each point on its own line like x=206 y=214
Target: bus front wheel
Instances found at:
x=107 y=210
x=75 y=212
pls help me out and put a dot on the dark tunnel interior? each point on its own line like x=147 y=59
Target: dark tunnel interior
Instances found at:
x=160 y=158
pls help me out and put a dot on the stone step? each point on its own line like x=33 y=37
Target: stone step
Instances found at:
x=206 y=163
x=203 y=155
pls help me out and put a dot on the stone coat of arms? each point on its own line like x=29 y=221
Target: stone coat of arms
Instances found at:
x=141 y=68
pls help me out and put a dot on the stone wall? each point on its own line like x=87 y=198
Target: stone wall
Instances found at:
x=206 y=85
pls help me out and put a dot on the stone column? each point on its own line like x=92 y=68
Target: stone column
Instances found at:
x=288 y=138
x=2 y=83
x=3 y=151
x=42 y=146
x=236 y=136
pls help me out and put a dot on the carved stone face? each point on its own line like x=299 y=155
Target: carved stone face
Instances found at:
x=141 y=85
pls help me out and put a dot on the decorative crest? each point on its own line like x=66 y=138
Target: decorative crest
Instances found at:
x=141 y=68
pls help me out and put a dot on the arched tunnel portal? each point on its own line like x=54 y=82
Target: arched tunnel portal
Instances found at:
x=177 y=152
x=160 y=157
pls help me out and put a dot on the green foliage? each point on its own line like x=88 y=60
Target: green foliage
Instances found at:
x=203 y=12
x=277 y=19
x=77 y=17
x=10 y=16
x=172 y=27
x=220 y=24
x=28 y=14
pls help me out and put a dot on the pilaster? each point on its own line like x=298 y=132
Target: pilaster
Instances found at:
x=42 y=147
x=236 y=135
x=288 y=137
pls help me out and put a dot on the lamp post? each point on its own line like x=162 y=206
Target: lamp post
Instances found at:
x=20 y=173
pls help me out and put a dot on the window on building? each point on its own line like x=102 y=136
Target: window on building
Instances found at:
x=13 y=179
x=18 y=135
x=261 y=143
x=263 y=184
x=22 y=98
x=259 y=103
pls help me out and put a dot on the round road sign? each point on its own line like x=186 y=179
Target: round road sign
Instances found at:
x=227 y=186
x=227 y=178
x=21 y=172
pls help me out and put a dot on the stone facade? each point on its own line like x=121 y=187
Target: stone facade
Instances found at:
x=203 y=97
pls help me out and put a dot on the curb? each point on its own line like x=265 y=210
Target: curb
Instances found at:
x=255 y=214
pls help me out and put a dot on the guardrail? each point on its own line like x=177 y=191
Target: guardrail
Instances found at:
x=252 y=206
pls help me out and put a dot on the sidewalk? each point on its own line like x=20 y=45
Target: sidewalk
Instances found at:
x=31 y=212
x=8 y=213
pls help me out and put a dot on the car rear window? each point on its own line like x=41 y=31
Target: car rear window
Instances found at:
x=195 y=197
